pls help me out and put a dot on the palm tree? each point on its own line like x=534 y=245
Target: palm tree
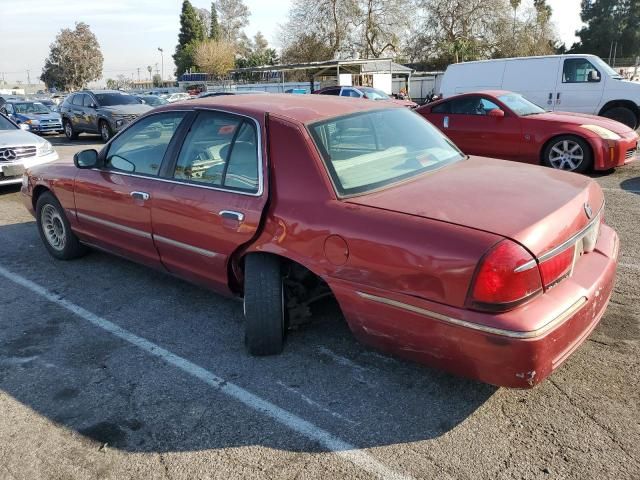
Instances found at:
x=515 y=4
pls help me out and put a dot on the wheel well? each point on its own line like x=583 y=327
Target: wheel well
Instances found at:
x=303 y=286
x=37 y=191
x=621 y=103
x=546 y=144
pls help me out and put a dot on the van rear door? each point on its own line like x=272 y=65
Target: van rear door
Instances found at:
x=534 y=78
x=580 y=86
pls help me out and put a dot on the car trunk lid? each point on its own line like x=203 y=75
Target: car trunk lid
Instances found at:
x=538 y=207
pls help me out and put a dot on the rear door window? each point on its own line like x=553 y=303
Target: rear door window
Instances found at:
x=220 y=150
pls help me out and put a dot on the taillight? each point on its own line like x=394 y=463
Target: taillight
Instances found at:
x=557 y=267
x=507 y=276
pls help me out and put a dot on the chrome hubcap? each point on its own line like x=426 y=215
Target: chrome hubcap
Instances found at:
x=566 y=155
x=53 y=227
x=105 y=132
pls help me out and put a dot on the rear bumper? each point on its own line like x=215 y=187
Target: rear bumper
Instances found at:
x=478 y=345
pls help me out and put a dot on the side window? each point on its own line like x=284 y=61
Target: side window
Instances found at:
x=579 y=70
x=77 y=99
x=472 y=106
x=220 y=150
x=87 y=100
x=444 y=107
x=350 y=92
x=332 y=91
x=141 y=147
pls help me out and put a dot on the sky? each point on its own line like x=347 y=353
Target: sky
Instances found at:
x=130 y=31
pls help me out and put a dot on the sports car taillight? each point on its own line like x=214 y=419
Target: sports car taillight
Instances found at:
x=506 y=277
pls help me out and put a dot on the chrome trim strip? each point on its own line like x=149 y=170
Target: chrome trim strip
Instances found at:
x=574 y=238
x=115 y=226
x=184 y=246
x=168 y=180
x=474 y=326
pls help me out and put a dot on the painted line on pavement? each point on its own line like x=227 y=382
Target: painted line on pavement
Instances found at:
x=332 y=443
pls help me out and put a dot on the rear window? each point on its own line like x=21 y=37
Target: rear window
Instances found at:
x=110 y=99
x=370 y=150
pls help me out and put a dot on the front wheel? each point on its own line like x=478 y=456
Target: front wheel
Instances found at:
x=55 y=231
x=264 y=305
x=569 y=153
x=105 y=131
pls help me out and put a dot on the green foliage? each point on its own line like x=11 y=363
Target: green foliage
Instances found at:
x=214 y=28
x=609 y=21
x=74 y=59
x=192 y=31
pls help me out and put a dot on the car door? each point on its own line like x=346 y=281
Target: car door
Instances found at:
x=213 y=199
x=76 y=114
x=580 y=87
x=113 y=203
x=90 y=112
x=475 y=132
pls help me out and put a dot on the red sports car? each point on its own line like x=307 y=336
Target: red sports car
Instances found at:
x=489 y=269
x=505 y=125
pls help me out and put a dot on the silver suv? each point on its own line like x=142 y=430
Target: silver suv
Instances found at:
x=99 y=111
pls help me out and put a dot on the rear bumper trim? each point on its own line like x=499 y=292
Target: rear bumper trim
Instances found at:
x=568 y=313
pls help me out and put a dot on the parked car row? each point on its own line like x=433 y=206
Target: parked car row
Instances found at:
x=489 y=269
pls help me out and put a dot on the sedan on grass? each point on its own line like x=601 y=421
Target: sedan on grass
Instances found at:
x=489 y=269
x=506 y=125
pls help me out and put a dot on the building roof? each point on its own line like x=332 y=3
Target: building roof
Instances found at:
x=378 y=65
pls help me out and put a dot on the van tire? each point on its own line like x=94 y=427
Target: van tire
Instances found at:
x=264 y=305
x=552 y=154
x=623 y=115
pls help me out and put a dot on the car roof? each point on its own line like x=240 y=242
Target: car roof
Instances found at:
x=300 y=108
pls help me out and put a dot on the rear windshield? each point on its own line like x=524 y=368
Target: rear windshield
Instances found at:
x=109 y=99
x=370 y=150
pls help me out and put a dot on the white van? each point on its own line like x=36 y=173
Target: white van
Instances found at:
x=569 y=83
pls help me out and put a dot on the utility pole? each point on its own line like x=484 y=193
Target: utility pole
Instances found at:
x=162 y=60
x=28 y=78
x=138 y=74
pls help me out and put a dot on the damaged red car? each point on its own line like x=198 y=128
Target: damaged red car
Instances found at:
x=488 y=269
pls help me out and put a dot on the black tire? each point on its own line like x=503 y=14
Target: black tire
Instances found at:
x=555 y=149
x=105 y=131
x=70 y=248
x=622 y=115
x=264 y=305
x=69 y=132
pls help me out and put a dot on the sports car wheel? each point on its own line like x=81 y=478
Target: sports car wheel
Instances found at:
x=568 y=153
x=55 y=231
x=264 y=305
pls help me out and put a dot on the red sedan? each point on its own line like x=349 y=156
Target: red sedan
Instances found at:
x=492 y=270
x=505 y=125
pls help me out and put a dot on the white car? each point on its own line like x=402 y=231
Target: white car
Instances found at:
x=177 y=97
x=20 y=150
x=561 y=83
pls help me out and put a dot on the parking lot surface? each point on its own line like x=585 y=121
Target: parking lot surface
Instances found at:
x=110 y=370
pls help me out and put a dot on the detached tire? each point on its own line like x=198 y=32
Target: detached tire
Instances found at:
x=55 y=231
x=622 y=115
x=264 y=305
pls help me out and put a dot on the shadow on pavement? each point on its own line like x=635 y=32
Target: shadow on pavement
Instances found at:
x=87 y=380
x=631 y=185
x=83 y=139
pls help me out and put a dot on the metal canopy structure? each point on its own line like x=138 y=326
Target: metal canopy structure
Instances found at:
x=334 y=68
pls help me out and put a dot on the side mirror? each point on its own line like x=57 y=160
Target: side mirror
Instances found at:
x=594 y=76
x=86 y=159
x=24 y=126
x=93 y=105
x=496 y=112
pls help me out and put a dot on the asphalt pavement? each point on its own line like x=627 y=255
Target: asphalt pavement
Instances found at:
x=110 y=370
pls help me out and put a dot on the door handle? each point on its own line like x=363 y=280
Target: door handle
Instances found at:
x=550 y=101
x=445 y=123
x=140 y=195
x=231 y=215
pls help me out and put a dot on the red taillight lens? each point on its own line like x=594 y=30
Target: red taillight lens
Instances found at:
x=507 y=276
x=556 y=267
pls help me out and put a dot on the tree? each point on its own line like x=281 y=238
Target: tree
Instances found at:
x=515 y=4
x=216 y=57
x=191 y=32
x=204 y=16
x=381 y=24
x=214 y=26
x=74 y=59
x=608 y=22
x=157 y=80
x=234 y=16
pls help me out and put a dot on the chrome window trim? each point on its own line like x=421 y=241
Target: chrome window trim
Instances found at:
x=195 y=185
x=116 y=226
x=185 y=246
x=573 y=308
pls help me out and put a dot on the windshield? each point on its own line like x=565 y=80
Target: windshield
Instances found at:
x=110 y=99
x=520 y=105
x=602 y=65
x=30 y=107
x=375 y=94
x=370 y=150
x=5 y=124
